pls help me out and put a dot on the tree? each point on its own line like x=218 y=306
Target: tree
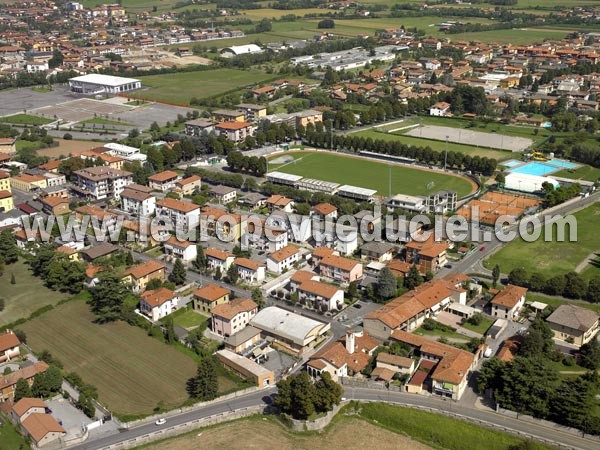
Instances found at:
x=539 y=340
x=593 y=291
x=490 y=375
x=204 y=386
x=22 y=390
x=108 y=297
x=575 y=287
x=303 y=396
x=232 y=274
x=328 y=393
x=47 y=383
x=518 y=276
x=8 y=247
x=387 y=284
x=495 y=275
x=589 y=355
x=218 y=274
x=178 y=274
x=326 y=24
x=85 y=404
x=170 y=335
x=64 y=275
x=257 y=297
x=413 y=278
x=572 y=402
x=200 y=262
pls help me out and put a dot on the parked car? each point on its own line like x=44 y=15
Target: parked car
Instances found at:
x=482 y=249
x=357 y=305
x=448 y=266
x=161 y=421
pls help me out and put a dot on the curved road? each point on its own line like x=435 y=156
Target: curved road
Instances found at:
x=533 y=429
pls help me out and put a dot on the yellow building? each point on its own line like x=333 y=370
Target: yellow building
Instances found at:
x=6 y=201
x=7 y=145
x=5 y=181
x=27 y=183
x=141 y=274
x=209 y=296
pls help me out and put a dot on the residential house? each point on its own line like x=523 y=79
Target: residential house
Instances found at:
x=507 y=303
x=9 y=346
x=98 y=251
x=343 y=358
x=226 y=115
x=8 y=145
x=163 y=181
x=388 y=364
x=243 y=340
x=341 y=270
x=182 y=215
x=70 y=251
x=450 y=366
x=223 y=194
x=141 y=274
x=324 y=211
x=27 y=406
x=176 y=249
x=280 y=202
x=252 y=200
x=158 y=303
x=428 y=256
x=100 y=182
x=377 y=251
x=42 y=429
x=138 y=202
x=235 y=131
x=252 y=112
x=322 y=296
x=209 y=296
x=91 y=275
x=229 y=318
x=218 y=259
x=440 y=109
x=249 y=271
x=8 y=383
x=189 y=185
x=55 y=205
x=283 y=259
x=319 y=253
x=408 y=311
x=197 y=126
x=574 y=324
x=6 y=201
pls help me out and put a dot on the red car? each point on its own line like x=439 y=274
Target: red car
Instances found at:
x=482 y=249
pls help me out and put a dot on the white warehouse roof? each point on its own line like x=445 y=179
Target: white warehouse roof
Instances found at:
x=527 y=183
x=105 y=80
x=286 y=324
x=243 y=49
x=357 y=190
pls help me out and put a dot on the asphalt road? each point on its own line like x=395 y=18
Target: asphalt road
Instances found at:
x=536 y=430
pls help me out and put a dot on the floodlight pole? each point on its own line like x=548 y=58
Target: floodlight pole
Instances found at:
x=446 y=154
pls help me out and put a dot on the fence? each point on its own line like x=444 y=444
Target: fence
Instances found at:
x=369 y=384
x=185 y=427
x=194 y=407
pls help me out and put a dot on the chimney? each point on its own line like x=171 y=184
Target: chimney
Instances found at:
x=350 y=341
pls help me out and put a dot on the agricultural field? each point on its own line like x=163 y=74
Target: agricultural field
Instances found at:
x=390 y=426
x=552 y=258
x=128 y=367
x=27 y=295
x=438 y=145
x=269 y=13
x=515 y=36
x=372 y=175
x=168 y=87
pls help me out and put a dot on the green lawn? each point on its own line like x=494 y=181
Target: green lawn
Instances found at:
x=441 y=333
x=373 y=175
x=556 y=302
x=438 y=431
x=26 y=295
x=9 y=438
x=179 y=88
x=552 y=258
x=514 y=36
x=437 y=145
x=586 y=173
x=481 y=328
x=592 y=270
x=41 y=89
x=25 y=119
x=189 y=319
x=21 y=144
x=132 y=371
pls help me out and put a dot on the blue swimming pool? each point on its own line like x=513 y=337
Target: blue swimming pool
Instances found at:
x=512 y=163
x=545 y=168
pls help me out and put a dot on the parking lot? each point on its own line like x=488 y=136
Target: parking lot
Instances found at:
x=71 y=418
x=82 y=109
x=16 y=101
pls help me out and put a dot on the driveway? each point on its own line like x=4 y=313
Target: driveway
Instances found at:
x=454 y=321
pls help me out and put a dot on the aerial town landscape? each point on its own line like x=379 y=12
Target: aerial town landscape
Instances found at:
x=299 y=224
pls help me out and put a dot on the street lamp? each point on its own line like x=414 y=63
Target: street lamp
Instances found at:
x=446 y=155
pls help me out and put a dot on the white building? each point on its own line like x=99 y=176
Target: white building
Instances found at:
x=249 y=271
x=158 y=303
x=96 y=83
x=440 y=109
x=126 y=152
x=283 y=259
x=138 y=202
x=237 y=50
x=176 y=249
x=101 y=182
x=527 y=183
x=183 y=215
x=322 y=295
x=218 y=259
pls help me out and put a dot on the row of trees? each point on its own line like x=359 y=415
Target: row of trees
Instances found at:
x=238 y=162
x=570 y=285
x=426 y=155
